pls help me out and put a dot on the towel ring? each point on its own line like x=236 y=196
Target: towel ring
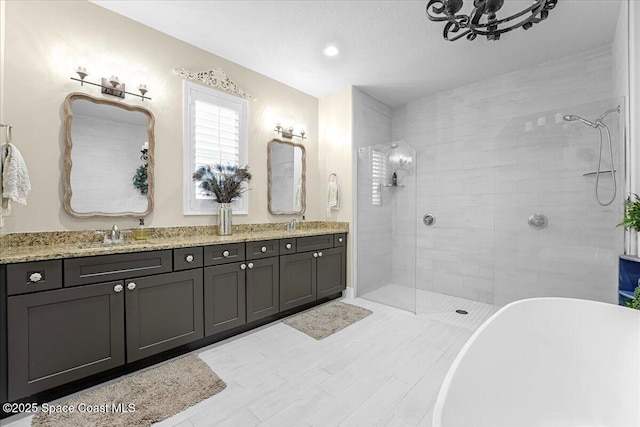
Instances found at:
x=334 y=175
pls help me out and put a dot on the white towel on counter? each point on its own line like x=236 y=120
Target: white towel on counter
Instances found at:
x=15 y=182
x=333 y=197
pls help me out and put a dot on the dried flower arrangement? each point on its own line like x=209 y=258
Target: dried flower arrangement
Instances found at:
x=222 y=182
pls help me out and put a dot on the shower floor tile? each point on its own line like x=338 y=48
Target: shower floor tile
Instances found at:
x=443 y=309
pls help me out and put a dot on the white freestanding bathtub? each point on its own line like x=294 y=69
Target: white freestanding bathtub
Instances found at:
x=547 y=362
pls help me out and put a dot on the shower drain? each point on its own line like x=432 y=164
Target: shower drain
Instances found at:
x=462 y=312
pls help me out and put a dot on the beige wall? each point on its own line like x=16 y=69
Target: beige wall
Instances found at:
x=335 y=148
x=46 y=40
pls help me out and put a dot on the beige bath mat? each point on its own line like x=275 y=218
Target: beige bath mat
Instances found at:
x=140 y=399
x=326 y=319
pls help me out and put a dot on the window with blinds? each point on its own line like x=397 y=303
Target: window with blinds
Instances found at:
x=378 y=176
x=217 y=137
x=215 y=132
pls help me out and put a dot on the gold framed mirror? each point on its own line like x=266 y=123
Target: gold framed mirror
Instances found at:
x=286 y=168
x=108 y=158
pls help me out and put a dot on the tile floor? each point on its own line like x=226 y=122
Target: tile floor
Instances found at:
x=385 y=370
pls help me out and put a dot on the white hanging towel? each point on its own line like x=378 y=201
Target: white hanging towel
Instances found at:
x=333 y=197
x=16 y=184
x=298 y=199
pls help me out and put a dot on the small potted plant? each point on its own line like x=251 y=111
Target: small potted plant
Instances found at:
x=224 y=184
x=635 y=301
x=631 y=221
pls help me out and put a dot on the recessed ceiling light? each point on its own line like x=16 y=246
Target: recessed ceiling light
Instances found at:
x=331 y=50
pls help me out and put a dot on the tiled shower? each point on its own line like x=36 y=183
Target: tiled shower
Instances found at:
x=487 y=157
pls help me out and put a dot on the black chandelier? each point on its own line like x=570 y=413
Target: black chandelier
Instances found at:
x=472 y=25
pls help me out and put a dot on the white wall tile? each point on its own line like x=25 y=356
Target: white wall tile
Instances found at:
x=490 y=154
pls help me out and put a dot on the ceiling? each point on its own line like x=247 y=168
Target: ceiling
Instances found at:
x=389 y=48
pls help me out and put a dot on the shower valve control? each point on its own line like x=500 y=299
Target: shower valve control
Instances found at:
x=538 y=221
x=429 y=219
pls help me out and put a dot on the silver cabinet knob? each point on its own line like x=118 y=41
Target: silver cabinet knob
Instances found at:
x=315 y=254
x=117 y=288
x=288 y=246
x=225 y=254
x=35 y=277
x=319 y=253
x=243 y=266
x=131 y=286
x=340 y=239
x=189 y=258
x=250 y=265
x=263 y=249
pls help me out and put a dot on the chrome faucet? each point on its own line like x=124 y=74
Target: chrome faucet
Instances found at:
x=114 y=236
x=115 y=233
x=292 y=225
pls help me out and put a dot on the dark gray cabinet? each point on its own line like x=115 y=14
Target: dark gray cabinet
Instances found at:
x=163 y=312
x=262 y=249
x=297 y=280
x=64 y=320
x=308 y=276
x=3 y=334
x=224 y=297
x=263 y=288
x=223 y=254
x=94 y=269
x=313 y=243
x=55 y=337
x=187 y=258
x=331 y=272
x=27 y=277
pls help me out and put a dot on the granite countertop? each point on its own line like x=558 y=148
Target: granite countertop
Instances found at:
x=24 y=247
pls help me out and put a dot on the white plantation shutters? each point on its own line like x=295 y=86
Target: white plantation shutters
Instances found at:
x=217 y=137
x=215 y=133
x=378 y=176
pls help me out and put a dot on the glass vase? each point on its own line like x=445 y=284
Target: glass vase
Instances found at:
x=225 y=212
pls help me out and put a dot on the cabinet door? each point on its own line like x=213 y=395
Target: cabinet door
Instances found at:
x=297 y=280
x=224 y=297
x=163 y=312
x=63 y=335
x=331 y=274
x=263 y=288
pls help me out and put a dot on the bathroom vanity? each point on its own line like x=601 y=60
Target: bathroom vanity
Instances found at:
x=75 y=315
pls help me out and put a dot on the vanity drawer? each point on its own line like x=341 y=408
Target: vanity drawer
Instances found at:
x=288 y=246
x=103 y=268
x=263 y=249
x=305 y=244
x=223 y=254
x=34 y=276
x=187 y=258
x=340 y=239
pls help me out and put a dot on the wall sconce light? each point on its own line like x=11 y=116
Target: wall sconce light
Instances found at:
x=111 y=86
x=288 y=132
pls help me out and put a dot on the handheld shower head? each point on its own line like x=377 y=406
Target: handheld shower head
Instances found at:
x=572 y=118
